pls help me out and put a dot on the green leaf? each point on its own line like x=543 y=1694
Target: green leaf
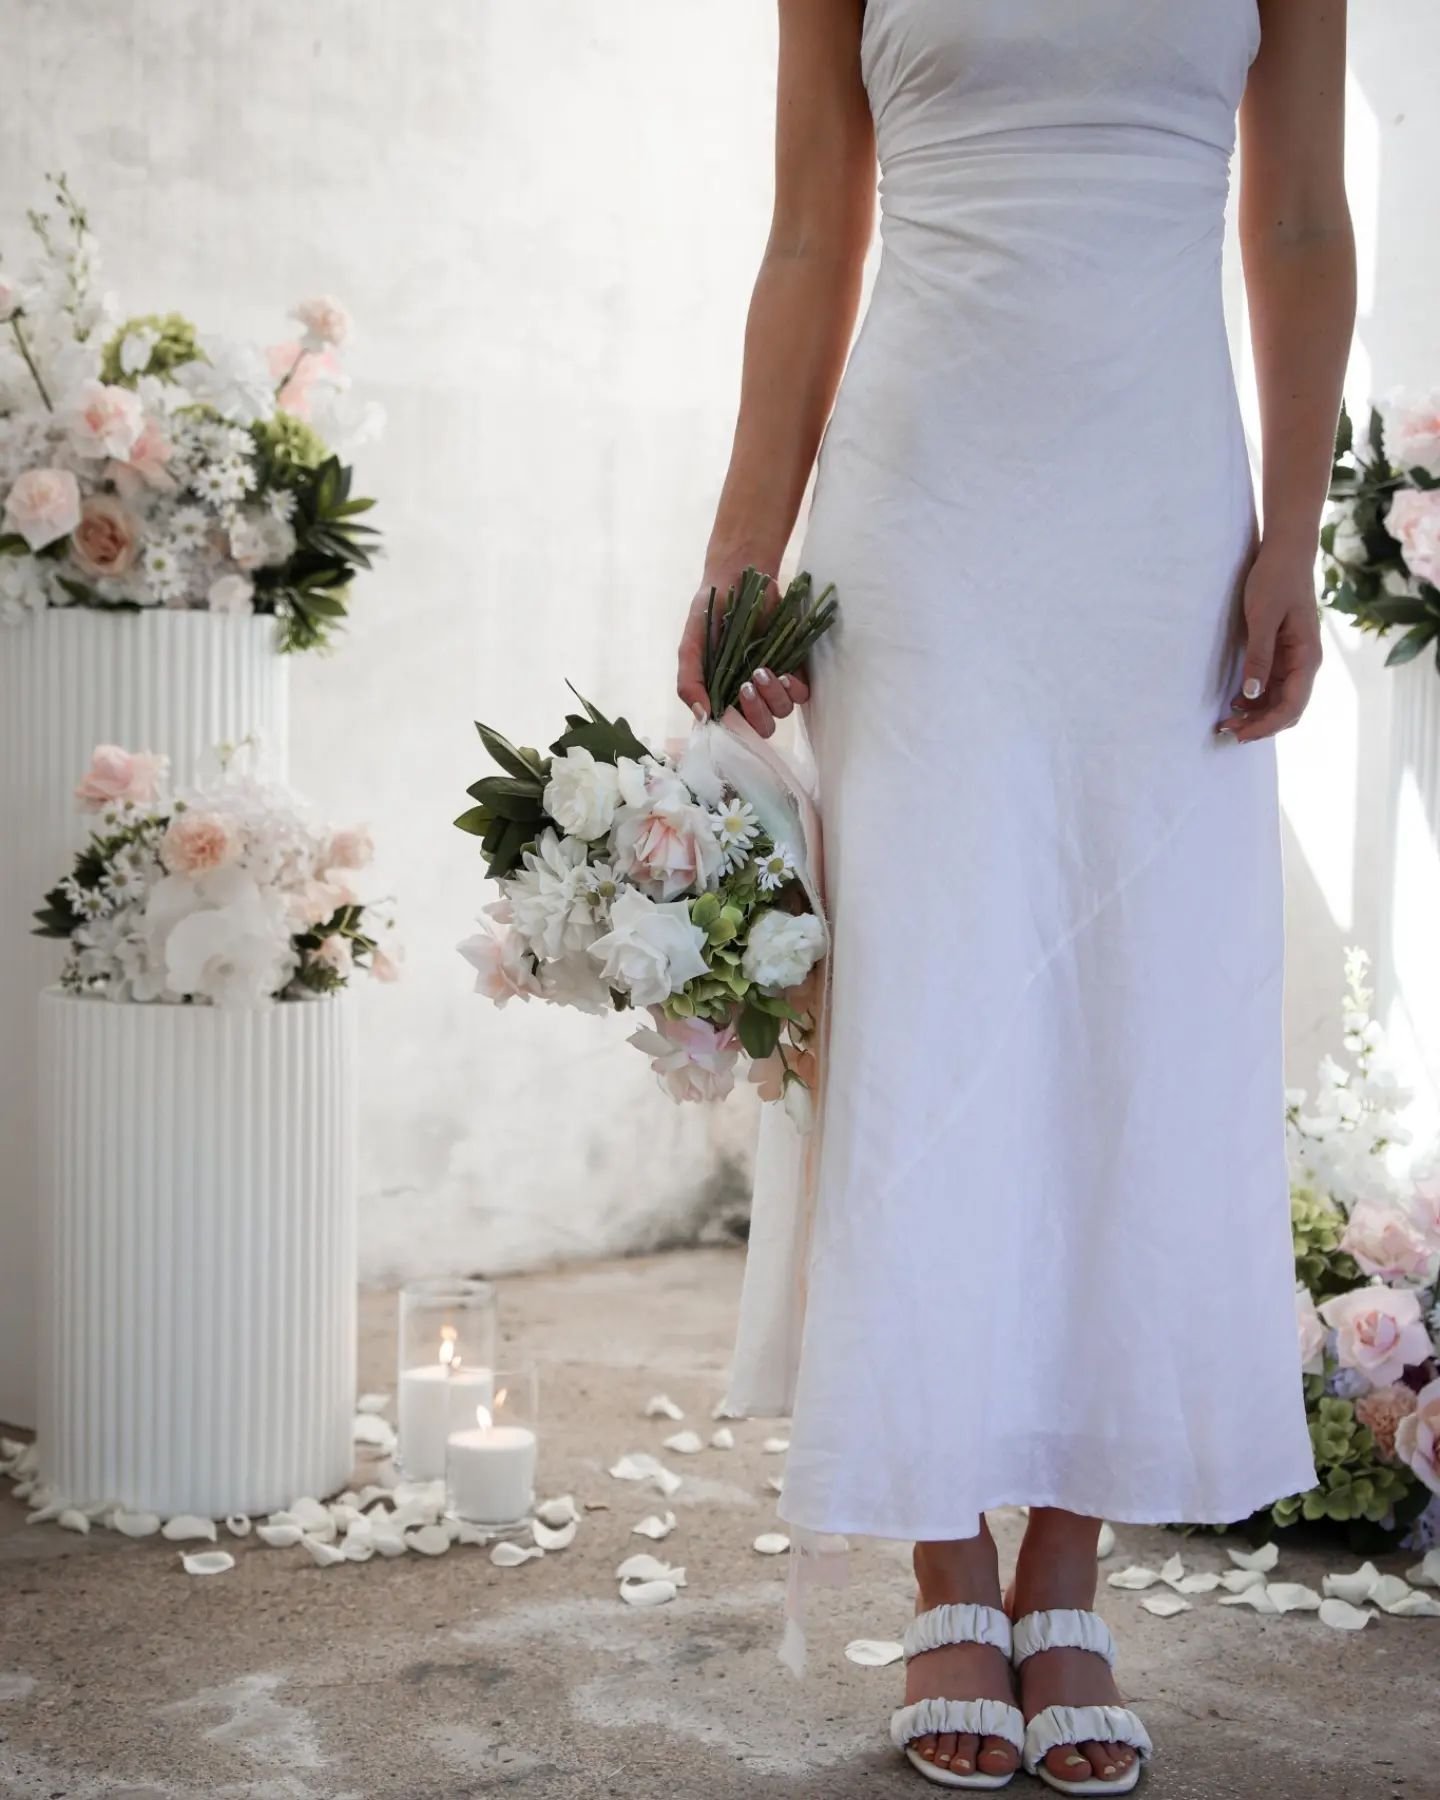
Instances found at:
x=12 y=544
x=1423 y=479
x=607 y=740
x=1399 y=611
x=759 y=1032
x=525 y=764
x=1344 y=433
x=1377 y=434
x=510 y=798
x=1413 y=642
x=475 y=820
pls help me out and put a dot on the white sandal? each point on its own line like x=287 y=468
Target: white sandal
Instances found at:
x=984 y=1718
x=1067 y=1629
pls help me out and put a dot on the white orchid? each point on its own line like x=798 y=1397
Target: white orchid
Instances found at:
x=235 y=948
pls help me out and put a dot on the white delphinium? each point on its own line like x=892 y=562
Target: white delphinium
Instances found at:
x=233 y=378
x=737 y=827
x=774 y=869
x=280 y=503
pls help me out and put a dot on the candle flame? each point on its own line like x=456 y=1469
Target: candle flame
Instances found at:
x=500 y=1397
x=448 y=1352
x=483 y=1418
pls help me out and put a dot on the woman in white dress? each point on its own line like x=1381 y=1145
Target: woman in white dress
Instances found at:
x=1050 y=1260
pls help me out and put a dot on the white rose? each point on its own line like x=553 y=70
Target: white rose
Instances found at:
x=231 y=594
x=582 y=794
x=1412 y=434
x=652 y=948
x=782 y=948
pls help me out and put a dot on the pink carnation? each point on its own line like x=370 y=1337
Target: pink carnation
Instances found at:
x=1414 y=520
x=1383 y=1242
x=1412 y=435
x=1417 y=1437
x=43 y=506
x=1378 y=1332
x=107 y=421
x=325 y=321
x=116 y=776
x=145 y=467
x=195 y=843
x=352 y=848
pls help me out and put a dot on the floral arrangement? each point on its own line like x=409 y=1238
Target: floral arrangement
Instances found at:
x=1381 y=543
x=1367 y=1246
x=634 y=879
x=143 y=464
x=230 y=894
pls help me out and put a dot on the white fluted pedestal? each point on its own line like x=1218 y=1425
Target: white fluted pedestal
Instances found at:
x=198 y=1265
x=176 y=682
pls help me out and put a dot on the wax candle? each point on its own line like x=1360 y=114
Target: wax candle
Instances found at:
x=436 y=1399
x=491 y=1471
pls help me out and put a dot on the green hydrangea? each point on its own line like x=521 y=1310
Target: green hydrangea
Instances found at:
x=1317 y=1226
x=176 y=342
x=1354 y=1483
x=286 y=444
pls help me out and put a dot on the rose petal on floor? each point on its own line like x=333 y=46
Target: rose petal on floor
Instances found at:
x=429 y=1540
x=1340 y=1615
x=685 y=1443
x=1264 y=1559
x=1427 y=1572
x=1386 y=1591
x=185 y=1527
x=1256 y=1598
x=1240 y=1581
x=559 y=1538
x=1134 y=1578
x=661 y=1406
x=72 y=1519
x=644 y=1567
x=208 y=1562
x=771 y=1543
x=647 y=1593
x=1356 y=1587
x=323 y=1555
x=1415 y=1605
x=506 y=1555
x=1105 y=1543
x=1165 y=1606
x=723 y=1439
x=1172 y=1569
x=372 y=1403
x=279 y=1537
x=1292 y=1596
x=1197 y=1583
x=238 y=1525
x=775 y=1446
x=873 y=1653
x=558 y=1512
x=654 y=1525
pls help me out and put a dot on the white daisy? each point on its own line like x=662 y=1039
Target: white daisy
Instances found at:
x=775 y=869
x=189 y=527
x=281 y=503
x=600 y=881
x=737 y=828
x=164 y=572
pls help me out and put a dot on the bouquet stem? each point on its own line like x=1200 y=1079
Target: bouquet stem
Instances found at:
x=741 y=635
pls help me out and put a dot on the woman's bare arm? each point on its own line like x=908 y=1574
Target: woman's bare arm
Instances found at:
x=1299 y=256
x=802 y=314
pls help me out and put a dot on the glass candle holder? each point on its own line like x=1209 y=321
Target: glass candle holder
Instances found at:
x=447 y=1336
x=490 y=1462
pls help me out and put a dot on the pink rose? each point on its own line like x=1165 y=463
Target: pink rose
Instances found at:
x=1412 y=435
x=1312 y=1332
x=1383 y=1242
x=660 y=839
x=691 y=1058
x=503 y=967
x=325 y=320
x=116 y=776
x=1379 y=1332
x=352 y=848
x=43 y=505
x=196 y=842
x=333 y=952
x=145 y=465
x=319 y=900
x=106 y=421
x=1417 y=1437
x=298 y=369
x=107 y=539
x=1414 y=519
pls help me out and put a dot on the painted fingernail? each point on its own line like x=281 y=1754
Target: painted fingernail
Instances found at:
x=1224 y=731
x=763 y=675
x=699 y=712
x=1253 y=688
x=747 y=690
x=785 y=682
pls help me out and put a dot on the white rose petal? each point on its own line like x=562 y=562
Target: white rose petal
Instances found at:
x=1172 y=1569
x=325 y=1555
x=771 y=1543
x=639 y=1465
x=873 y=1653
x=1264 y=1559
x=238 y=1525
x=1165 y=1606
x=372 y=1403
x=1134 y=1578
x=279 y=1537
x=1387 y=1591
x=685 y=1443
x=1355 y=1587
x=776 y=1483
x=654 y=1525
x=185 y=1527
x=554 y=1537
x=644 y=1567
x=1105 y=1543
x=556 y=1513
x=723 y=1439
x=647 y=1593
x=1256 y=1598
x=1240 y=1581
x=208 y=1562
x=506 y=1555
x=1292 y=1596
x=661 y=1406
x=775 y=1446
x=71 y=1518
x=429 y=1540
x=1196 y=1584
x=1340 y=1615
x=1414 y=1605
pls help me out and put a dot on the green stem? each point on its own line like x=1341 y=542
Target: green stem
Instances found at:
x=30 y=362
x=289 y=375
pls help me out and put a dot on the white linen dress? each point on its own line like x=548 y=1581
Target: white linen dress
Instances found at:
x=1045 y=1257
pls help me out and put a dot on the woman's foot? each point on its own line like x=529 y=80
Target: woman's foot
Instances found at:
x=963 y=1571
x=1057 y=1569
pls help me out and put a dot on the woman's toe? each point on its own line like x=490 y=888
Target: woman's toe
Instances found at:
x=925 y=1747
x=945 y=1748
x=997 y=1756
x=964 y=1758
x=1067 y=1762
x=1103 y=1759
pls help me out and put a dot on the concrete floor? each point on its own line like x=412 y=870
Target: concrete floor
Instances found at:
x=123 y=1678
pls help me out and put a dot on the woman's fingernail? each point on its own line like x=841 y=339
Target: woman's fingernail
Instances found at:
x=747 y=690
x=785 y=683
x=1253 y=688
x=699 y=712
x=763 y=675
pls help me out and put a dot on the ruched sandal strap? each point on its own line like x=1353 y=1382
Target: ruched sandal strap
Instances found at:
x=1063 y=1628
x=1059 y=1725
x=983 y=1718
x=960 y=1624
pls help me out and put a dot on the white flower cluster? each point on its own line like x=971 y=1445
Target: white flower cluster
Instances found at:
x=230 y=894
x=131 y=485
x=601 y=912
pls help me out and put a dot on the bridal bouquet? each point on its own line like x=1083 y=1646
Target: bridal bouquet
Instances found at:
x=230 y=894
x=1381 y=543
x=1367 y=1248
x=145 y=464
x=674 y=883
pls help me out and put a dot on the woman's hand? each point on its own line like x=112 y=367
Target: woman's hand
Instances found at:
x=1282 y=646
x=764 y=699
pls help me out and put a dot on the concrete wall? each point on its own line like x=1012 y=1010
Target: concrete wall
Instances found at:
x=545 y=216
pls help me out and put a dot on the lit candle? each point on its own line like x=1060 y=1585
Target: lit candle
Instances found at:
x=491 y=1471
x=435 y=1399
